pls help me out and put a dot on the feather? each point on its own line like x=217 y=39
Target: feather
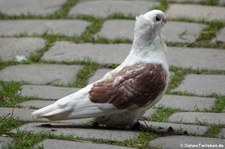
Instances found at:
x=122 y=96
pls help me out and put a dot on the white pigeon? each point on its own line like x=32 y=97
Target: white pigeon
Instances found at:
x=123 y=95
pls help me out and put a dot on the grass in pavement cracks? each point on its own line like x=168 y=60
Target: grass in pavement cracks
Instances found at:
x=7 y=123
x=162 y=114
x=214 y=130
x=9 y=94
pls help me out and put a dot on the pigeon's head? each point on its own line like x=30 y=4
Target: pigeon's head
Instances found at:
x=150 y=22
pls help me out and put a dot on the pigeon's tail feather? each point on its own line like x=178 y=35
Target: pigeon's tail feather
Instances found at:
x=52 y=112
x=71 y=109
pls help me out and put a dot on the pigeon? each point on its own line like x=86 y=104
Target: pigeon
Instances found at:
x=122 y=95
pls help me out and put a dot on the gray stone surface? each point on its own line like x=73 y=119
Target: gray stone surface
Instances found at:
x=60 y=144
x=222 y=133
x=117 y=29
x=41 y=27
x=36 y=7
x=85 y=133
x=173 y=31
x=102 y=8
x=98 y=75
x=11 y=48
x=220 y=36
x=149 y=113
x=46 y=91
x=21 y=114
x=36 y=104
x=196 y=58
x=185 y=1
x=222 y=2
x=5 y=141
x=198 y=117
x=178 y=142
x=177 y=128
x=182 y=32
x=200 y=12
x=186 y=103
x=67 y=51
x=41 y=74
x=202 y=84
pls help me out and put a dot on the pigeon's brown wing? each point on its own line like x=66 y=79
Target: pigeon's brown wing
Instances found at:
x=138 y=84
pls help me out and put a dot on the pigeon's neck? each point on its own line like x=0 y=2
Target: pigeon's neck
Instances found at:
x=147 y=50
x=145 y=46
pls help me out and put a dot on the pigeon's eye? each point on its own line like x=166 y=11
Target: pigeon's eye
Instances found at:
x=158 y=18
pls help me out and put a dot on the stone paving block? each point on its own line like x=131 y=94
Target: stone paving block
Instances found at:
x=196 y=58
x=36 y=104
x=21 y=114
x=221 y=2
x=186 y=103
x=173 y=31
x=28 y=7
x=5 y=141
x=201 y=12
x=222 y=133
x=41 y=27
x=182 y=32
x=60 y=144
x=85 y=133
x=46 y=91
x=220 y=36
x=11 y=48
x=202 y=84
x=177 y=128
x=117 y=29
x=66 y=52
x=41 y=74
x=198 y=117
x=102 y=8
x=149 y=113
x=178 y=142
x=185 y=1
x=98 y=75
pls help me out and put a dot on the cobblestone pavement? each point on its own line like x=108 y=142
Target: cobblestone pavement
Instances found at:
x=51 y=48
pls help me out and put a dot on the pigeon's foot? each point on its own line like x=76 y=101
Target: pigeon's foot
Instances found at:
x=95 y=125
x=140 y=127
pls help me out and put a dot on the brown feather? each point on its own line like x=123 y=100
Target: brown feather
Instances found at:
x=138 y=84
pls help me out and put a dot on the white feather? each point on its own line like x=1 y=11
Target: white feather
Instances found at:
x=148 y=47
